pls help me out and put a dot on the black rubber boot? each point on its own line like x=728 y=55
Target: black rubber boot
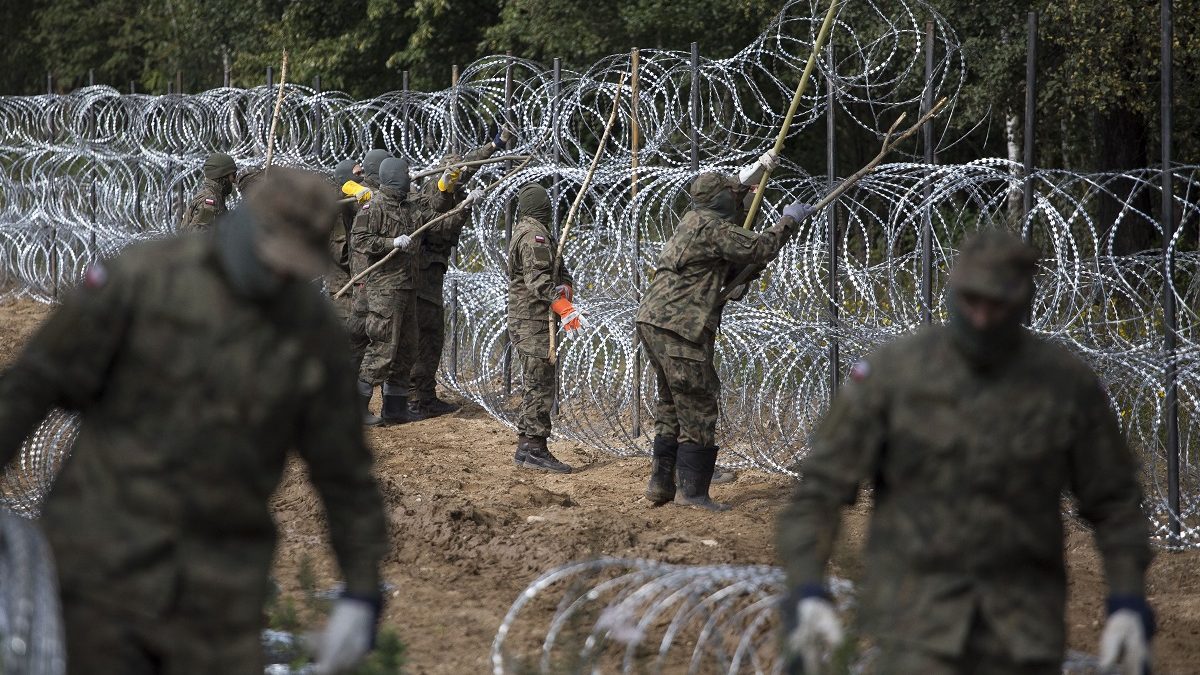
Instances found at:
x=395 y=410
x=364 y=394
x=427 y=408
x=532 y=453
x=661 y=488
x=694 y=469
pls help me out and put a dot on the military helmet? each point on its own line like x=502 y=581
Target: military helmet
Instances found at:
x=995 y=264
x=219 y=165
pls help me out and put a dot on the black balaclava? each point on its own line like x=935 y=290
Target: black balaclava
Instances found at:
x=371 y=162
x=343 y=172
x=393 y=177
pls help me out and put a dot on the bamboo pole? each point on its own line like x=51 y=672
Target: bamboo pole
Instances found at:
x=278 y=105
x=822 y=35
x=562 y=241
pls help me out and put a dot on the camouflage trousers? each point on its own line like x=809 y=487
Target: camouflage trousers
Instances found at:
x=431 y=334
x=984 y=654
x=531 y=346
x=356 y=322
x=687 y=385
x=105 y=640
x=390 y=327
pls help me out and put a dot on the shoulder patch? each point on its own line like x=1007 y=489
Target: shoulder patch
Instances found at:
x=96 y=275
x=860 y=371
x=210 y=201
x=365 y=206
x=539 y=238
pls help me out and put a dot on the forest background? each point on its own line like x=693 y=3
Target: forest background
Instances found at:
x=1098 y=60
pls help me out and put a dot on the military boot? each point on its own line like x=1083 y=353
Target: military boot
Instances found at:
x=661 y=488
x=423 y=409
x=532 y=453
x=694 y=469
x=364 y=393
x=395 y=406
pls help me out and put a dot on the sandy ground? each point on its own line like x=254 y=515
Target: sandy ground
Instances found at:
x=464 y=544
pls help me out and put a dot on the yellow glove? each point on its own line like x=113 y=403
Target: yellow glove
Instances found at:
x=449 y=179
x=360 y=192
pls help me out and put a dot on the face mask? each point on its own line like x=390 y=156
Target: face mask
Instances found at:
x=226 y=186
x=247 y=273
x=988 y=347
x=725 y=204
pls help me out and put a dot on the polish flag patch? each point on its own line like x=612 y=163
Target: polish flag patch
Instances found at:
x=209 y=201
x=860 y=371
x=539 y=238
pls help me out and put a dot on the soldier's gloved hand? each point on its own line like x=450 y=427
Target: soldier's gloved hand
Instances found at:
x=503 y=137
x=449 y=179
x=1125 y=642
x=360 y=192
x=348 y=636
x=564 y=291
x=473 y=196
x=818 y=631
x=752 y=172
x=570 y=316
x=403 y=242
x=798 y=211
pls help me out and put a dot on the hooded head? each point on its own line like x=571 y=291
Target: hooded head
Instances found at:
x=716 y=191
x=221 y=168
x=991 y=290
x=534 y=201
x=393 y=176
x=344 y=171
x=371 y=162
x=278 y=233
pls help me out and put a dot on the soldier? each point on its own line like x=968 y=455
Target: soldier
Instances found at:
x=677 y=322
x=969 y=433
x=387 y=223
x=339 y=248
x=367 y=175
x=197 y=363
x=536 y=283
x=433 y=259
x=220 y=171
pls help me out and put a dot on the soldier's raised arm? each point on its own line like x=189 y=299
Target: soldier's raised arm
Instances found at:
x=743 y=247
x=65 y=362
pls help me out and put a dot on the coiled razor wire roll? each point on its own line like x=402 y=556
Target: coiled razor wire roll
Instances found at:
x=31 y=635
x=92 y=171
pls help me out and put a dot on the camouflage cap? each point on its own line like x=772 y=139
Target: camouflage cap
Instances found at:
x=709 y=184
x=293 y=208
x=219 y=164
x=995 y=264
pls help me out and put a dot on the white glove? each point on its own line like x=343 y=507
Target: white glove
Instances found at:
x=751 y=173
x=473 y=196
x=1124 y=638
x=818 y=631
x=347 y=636
x=402 y=242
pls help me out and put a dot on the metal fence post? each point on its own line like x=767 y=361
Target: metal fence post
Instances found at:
x=508 y=225
x=927 y=217
x=1171 y=402
x=695 y=106
x=637 y=243
x=1030 y=123
x=831 y=215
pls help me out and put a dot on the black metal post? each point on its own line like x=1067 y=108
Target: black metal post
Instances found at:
x=831 y=215
x=1171 y=402
x=53 y=251
x=1030 y=123
x=927 y=218
x=695 y=107
x=317 y=119
x=270 y=76
x=91 y=77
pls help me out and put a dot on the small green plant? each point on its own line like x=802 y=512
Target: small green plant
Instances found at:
x=388 y=656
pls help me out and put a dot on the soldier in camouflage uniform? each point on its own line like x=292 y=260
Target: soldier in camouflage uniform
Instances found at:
x=220 y=171
x=677 y=322
x=386 y=223
x=339 y=249
x=197 y=363
x=969 y=433
x=356 y=325
x=536 y=282
x=433 y=260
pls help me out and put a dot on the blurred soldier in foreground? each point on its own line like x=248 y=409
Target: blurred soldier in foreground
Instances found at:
x=196 y=364
x=433 y=258
x=537 y=283
x=677 y=321
x=969 y=433
x=220 y=172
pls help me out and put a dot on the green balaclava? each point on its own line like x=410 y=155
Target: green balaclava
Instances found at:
x=371 y=162
x=218 y=167
x=709 y=191
x=344 y=171
x=534 y=201
x=393 y=177
x=998 y=266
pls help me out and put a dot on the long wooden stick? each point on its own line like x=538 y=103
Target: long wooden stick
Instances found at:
x=888 y=144
x=421 y=230
x=822 y=35
x=475 y=162
x=278 y=105
x=587 y=180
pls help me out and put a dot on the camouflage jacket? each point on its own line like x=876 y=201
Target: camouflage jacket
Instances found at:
x=530 y=271
x=968 y=470
x=684 y=295
x=436 y=247
x=191 y=398
x=339 y=247
x=206 y=205
x=380 y=221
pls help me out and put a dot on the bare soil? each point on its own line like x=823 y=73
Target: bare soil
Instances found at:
x=469 y=532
